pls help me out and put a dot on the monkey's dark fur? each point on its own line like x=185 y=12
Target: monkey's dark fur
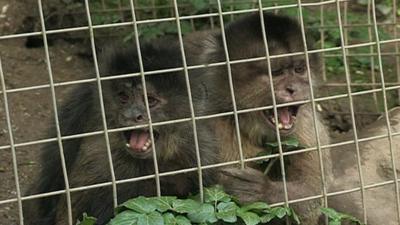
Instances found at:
x=252 y=89
x=86 y=158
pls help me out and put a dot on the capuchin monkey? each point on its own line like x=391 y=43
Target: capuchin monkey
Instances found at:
x=131 y=150
x=251 y=85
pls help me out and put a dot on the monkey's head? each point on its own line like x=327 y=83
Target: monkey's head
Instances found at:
x=166 y=96
x=166 y=101
x=251 y=80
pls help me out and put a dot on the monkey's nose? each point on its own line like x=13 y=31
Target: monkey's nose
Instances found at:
x=290 y=90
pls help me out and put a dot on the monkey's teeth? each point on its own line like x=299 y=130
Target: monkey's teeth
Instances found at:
x=148 y=143
x=280 y=125
x=319 y=108
x=288 y=126
x=128 y=145
x=273 y=119
x=144 y=148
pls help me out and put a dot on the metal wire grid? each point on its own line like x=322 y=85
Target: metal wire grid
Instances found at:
x=373 y=32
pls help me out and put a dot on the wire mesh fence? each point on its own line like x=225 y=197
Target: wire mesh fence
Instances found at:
x=359 y=47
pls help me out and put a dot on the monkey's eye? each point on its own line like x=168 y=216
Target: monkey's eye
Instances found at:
x=124 y=98
x=299 y=69
x=152 y=101
x=277 y=72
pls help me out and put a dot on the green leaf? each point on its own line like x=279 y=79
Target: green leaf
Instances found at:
x=249 y=218
x=331 y=213
x=141 y=205
x=87 y=220
x=337 y=216
x=181 y=220
x=335 y=222
x=227 y=211
x=153 y=218
x=264 y=153
x=267 y=218
x=215 y=194
x=163 y=203
x=272 y=144
x=185 y=205
x=279 y=212
x=203 y=214
x=288 y=211
x=295 y=217
x=169 y=219
x=125 y=218
x=255 y=205
x=289 y=141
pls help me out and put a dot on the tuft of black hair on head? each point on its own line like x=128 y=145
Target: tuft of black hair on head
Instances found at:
x=249 y=28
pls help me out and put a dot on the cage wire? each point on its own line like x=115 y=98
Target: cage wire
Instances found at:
x=333 y=21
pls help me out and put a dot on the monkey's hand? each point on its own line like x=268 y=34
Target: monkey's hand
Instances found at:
x=248 y=185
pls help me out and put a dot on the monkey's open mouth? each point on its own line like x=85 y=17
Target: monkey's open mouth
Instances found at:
x=139 y=141
x=286 y=118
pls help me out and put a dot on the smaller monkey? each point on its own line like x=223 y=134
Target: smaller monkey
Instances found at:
x=131 y=150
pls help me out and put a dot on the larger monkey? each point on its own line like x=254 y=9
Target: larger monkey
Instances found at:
x=131 y=150
x=251 y=84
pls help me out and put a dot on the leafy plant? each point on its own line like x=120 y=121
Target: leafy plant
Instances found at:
x=217 y=208
x=288 y=144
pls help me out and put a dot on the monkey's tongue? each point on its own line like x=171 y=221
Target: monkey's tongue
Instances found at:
x=138 y=140
x=284 y=115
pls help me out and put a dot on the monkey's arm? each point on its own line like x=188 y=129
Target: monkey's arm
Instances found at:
x=250 y=185
x=72 y=118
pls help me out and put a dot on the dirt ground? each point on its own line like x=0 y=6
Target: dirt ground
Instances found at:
x=31 y=111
